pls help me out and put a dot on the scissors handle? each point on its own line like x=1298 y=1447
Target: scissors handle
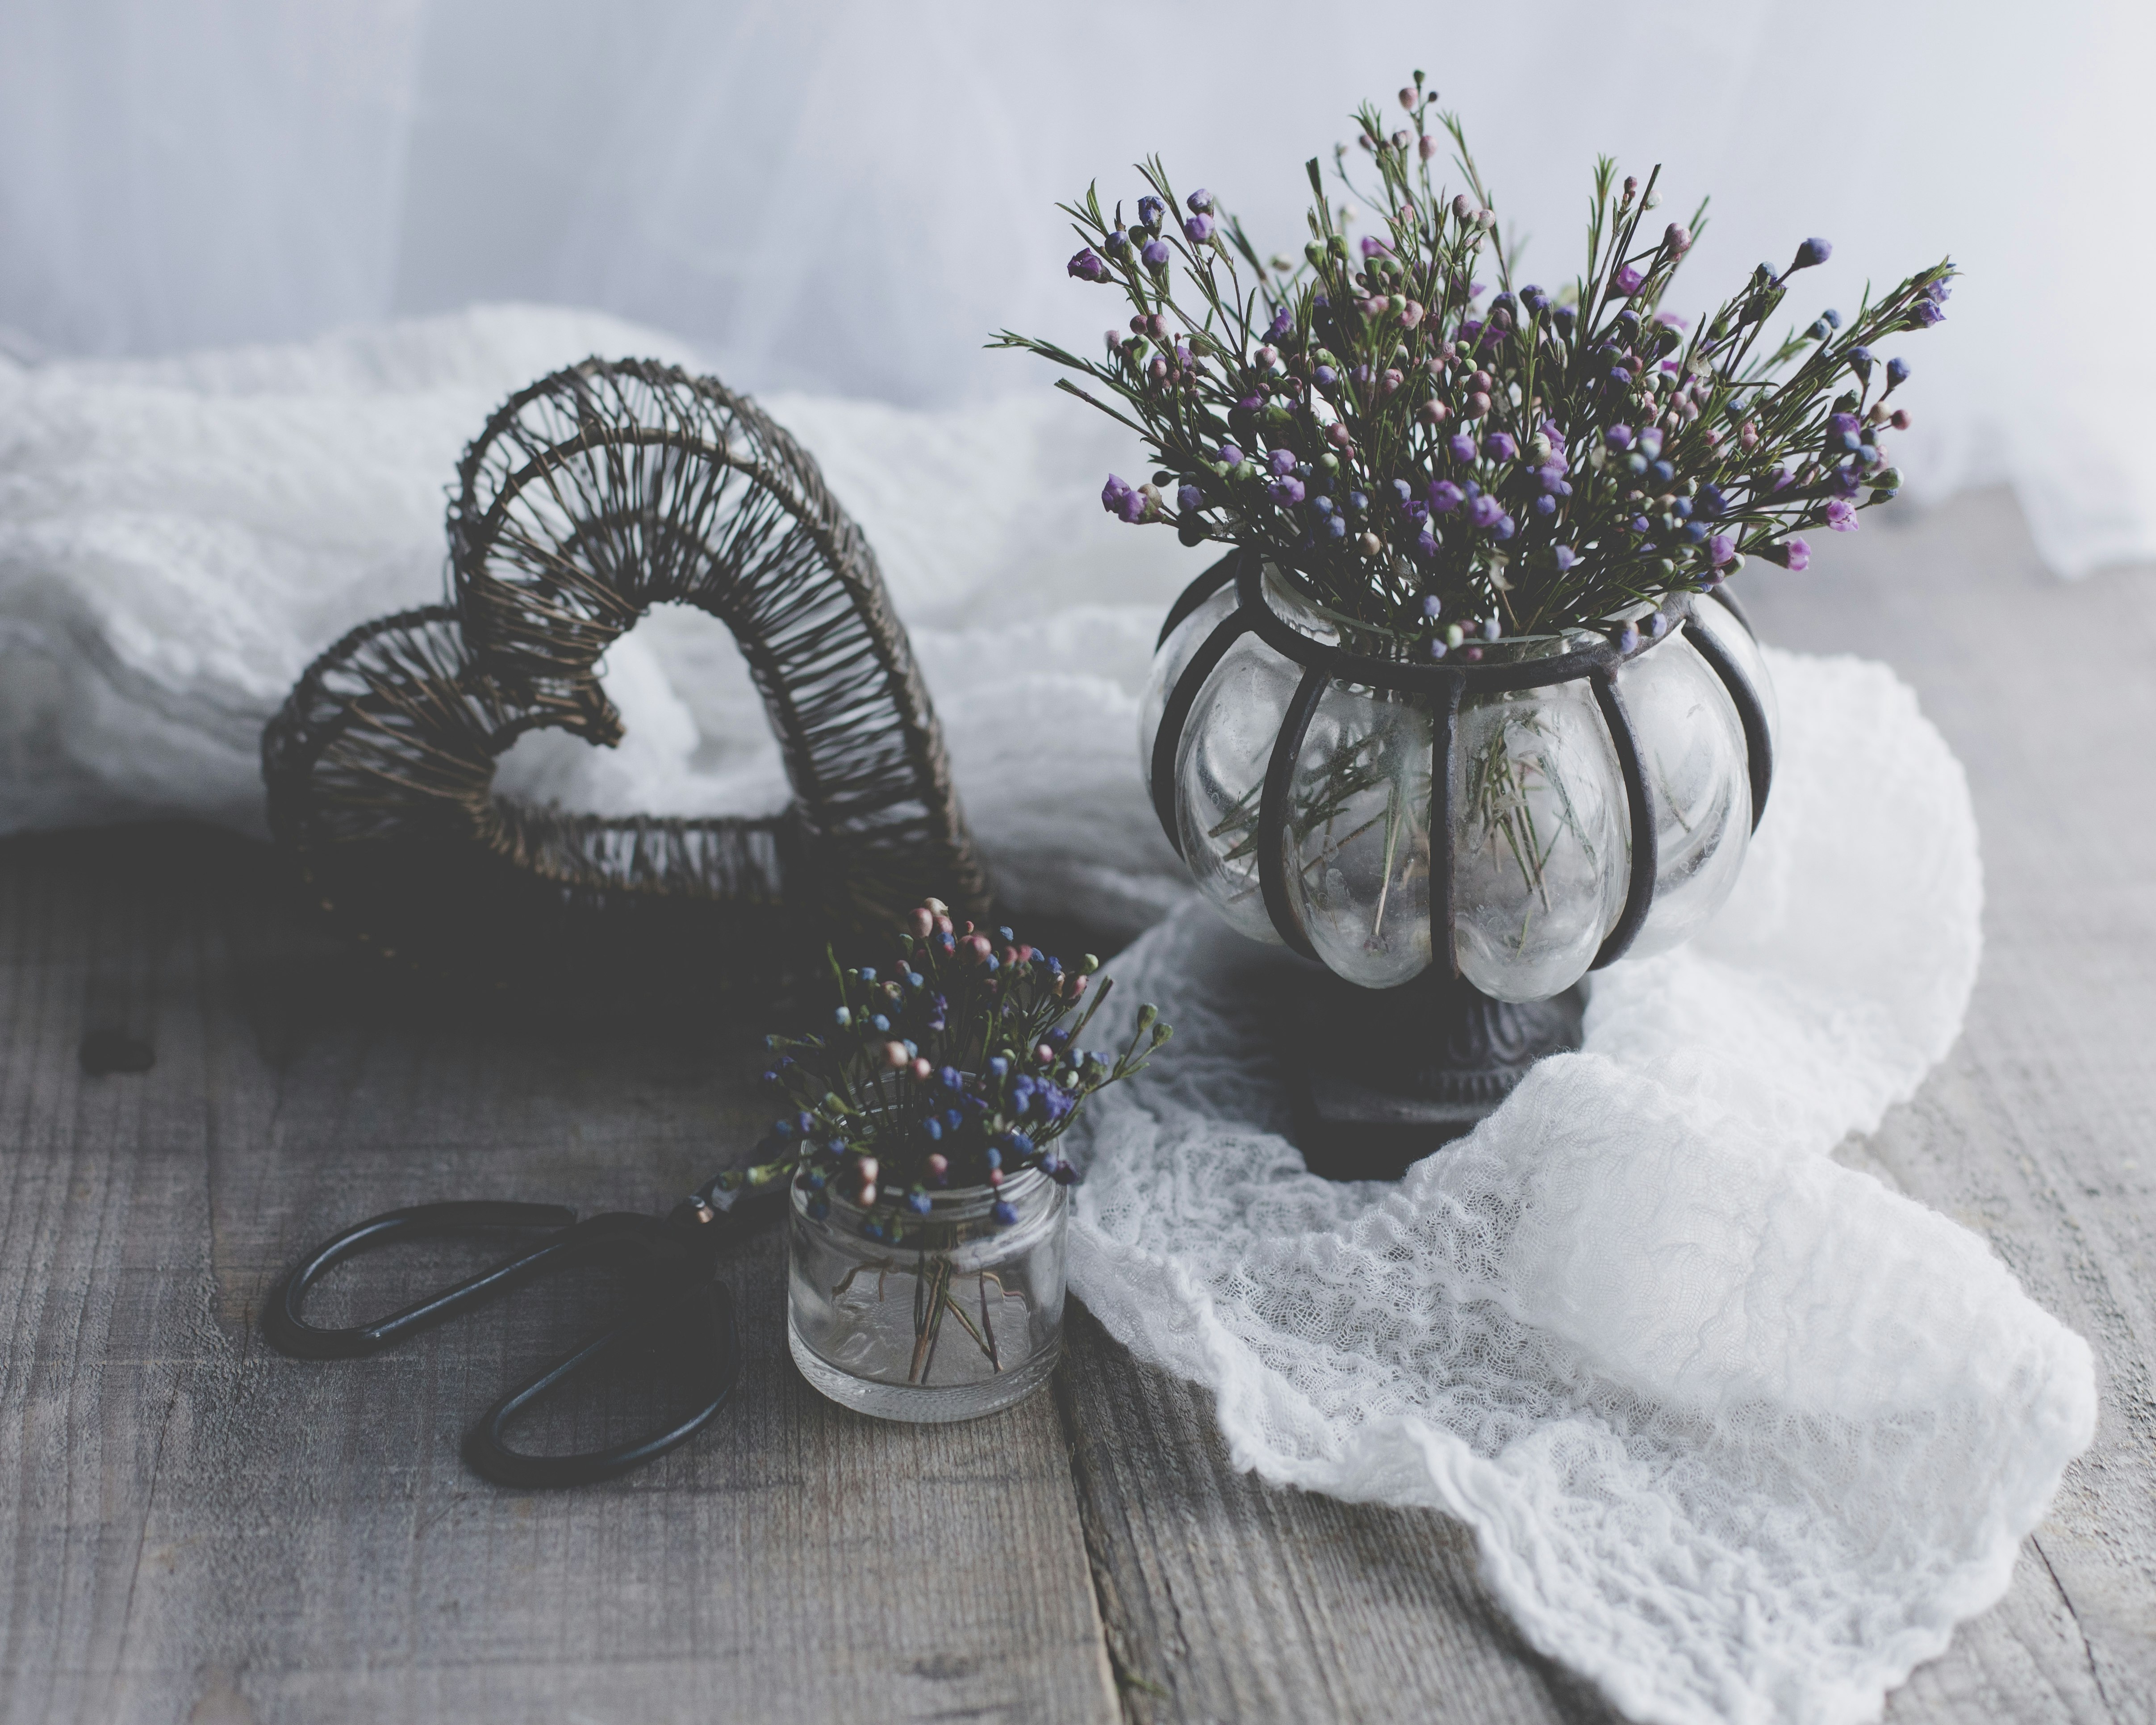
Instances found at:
x=284 y=1329
x=697 y=1334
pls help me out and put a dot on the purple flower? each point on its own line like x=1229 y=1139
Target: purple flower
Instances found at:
x=1230 y=456
x=1087 y=266
x=1286 y=490
x=1150 y=211
x=1425 y=544
x=1499 y=446
x=1372 y=245
x=1199 y=229
x=1939 y=292
x=1926 y=314
x=1897 y=373
x=1618 y=437
x=1626 y=282
x=1004 y=1213
x=1566 y=557
x=1250 y=405
x=1841 y=515
x=1485 y=511
x=1552 y=478
x=1534 y=298
x=1155 y=253
x=1112 y=495
x=1651 y=443
x=1502 y=527
x=1283 y=322
x=1117 y=242
x=1433 y=607
x=1325 y=377
x=1445 y=497
x=1188 y=497
x=1281 y=460
x=1859 y=361
x=1135 y=507
x=1462 y=447
x=1811 y=251
x=1546 y=505
x=1721 y=548
x=1795 y=554
x=1199 y=201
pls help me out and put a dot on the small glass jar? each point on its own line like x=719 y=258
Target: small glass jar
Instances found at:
x=959 y=1318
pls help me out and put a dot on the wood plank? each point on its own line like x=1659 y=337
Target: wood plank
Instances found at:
x=1230 y=1601
x=191 y=1527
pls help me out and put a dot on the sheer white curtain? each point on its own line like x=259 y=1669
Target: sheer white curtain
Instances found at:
x=848 y=196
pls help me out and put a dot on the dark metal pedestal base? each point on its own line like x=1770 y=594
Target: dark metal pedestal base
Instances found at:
x=1379 y=1079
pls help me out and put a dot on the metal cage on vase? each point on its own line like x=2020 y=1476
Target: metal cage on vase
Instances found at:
x=1457 y=843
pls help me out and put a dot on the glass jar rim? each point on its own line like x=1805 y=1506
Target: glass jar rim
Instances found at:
x=953 y=1204
x=1594 y=653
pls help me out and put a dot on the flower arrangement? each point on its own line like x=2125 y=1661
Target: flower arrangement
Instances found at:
x=952 y=1067
x=1448 y=470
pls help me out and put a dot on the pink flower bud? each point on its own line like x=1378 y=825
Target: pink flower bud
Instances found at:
x=995 y=1176
x=1677 y=237
x=1412 y=315
x=921 y=1069
x=869 y=1169
x=895 y=1056
x=937 y=1164
x=1077 y=988
x=866 y=1196
x=1427 y=148
x=935 y=907
x=1045 y=1055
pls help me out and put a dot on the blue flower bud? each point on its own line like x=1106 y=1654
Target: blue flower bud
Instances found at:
x=879 y=1023
x=920 y=1203
x=1156 y=255
x=1150 y=209
x=1199 y=201
x=842 y=1018
x=867 y=974
x=933 y=1127
x=1117 y=243
x=1189 y=498
x=1004 y=1213
x=1811 y=253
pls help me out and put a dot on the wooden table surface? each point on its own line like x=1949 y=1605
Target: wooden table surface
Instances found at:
x=192 y=1528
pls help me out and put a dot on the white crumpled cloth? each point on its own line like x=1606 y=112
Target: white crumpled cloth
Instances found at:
x=1742 y=1434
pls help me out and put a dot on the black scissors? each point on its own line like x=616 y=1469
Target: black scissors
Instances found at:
x=679 y=1306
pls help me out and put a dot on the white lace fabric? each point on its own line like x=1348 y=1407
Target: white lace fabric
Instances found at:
x=1742 y=1433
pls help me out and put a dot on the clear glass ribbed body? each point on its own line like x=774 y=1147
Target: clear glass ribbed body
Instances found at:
x=1541 y=830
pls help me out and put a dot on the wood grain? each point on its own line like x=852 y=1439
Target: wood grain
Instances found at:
x=195 y=1528
x=190 y=1529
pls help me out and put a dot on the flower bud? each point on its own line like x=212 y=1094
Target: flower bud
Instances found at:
x=1407 y=97
x=1677 y=237
x=1200 y=200
x=1427 y=148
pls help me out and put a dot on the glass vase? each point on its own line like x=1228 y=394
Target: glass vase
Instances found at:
x=960 y=1316
x=1538 y=857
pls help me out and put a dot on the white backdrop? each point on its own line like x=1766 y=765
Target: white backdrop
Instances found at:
x=847 y=198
